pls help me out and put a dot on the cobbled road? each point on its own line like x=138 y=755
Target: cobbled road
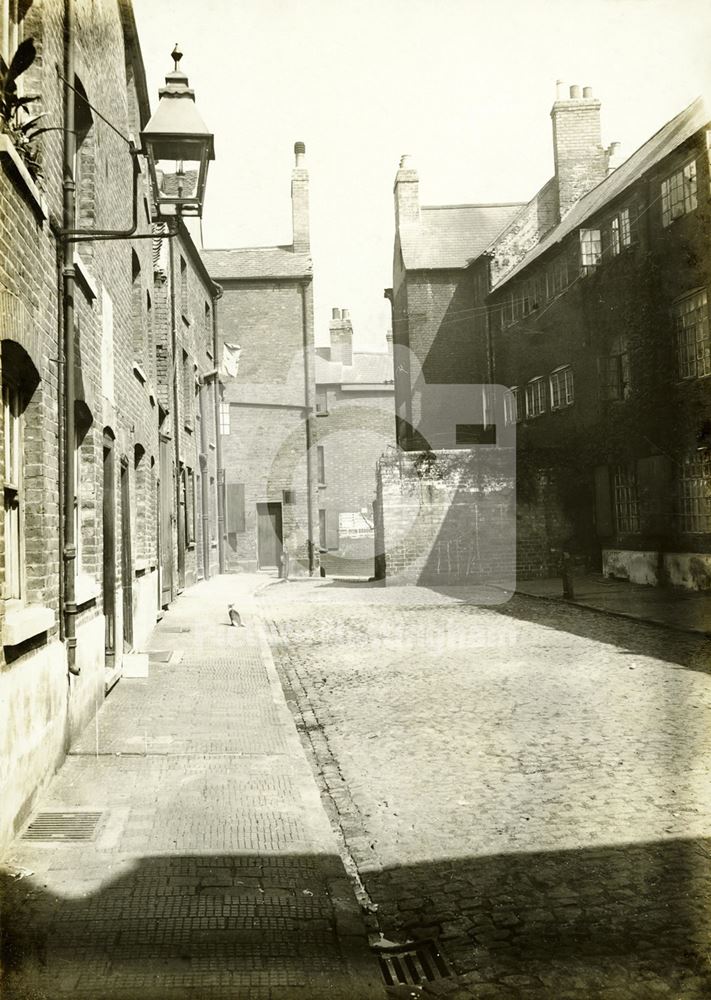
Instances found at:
x=527 y=783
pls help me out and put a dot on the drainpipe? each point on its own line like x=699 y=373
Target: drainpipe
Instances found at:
x=309 y=403
x=68 y=281
x=217 y=295
x=204 y=484
x=176 y=413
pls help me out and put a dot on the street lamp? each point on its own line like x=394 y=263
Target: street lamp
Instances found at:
x=178 y=148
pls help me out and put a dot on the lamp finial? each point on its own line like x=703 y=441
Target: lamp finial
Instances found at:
x=176 y=55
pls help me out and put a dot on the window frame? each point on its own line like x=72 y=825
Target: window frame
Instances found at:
x=692 y=353
x=535 y=385
x=693 y=493
x=679 y=192
x=625 y=499
x=566 y=390
x=590 y=249
x=512 y=406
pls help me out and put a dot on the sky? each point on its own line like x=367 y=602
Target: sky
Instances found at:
x=464 y=86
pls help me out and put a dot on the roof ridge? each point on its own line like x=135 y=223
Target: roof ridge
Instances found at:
x=281 y=246
x=476 y=204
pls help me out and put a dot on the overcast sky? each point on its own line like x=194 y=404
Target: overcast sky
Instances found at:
x=464 y=86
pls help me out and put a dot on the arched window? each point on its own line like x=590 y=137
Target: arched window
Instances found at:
x=19 y=382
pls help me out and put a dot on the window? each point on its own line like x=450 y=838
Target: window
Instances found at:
x=679 y=193
x=590 y=248
x=321 y=402
x=512 y=406
x=322 y=529
x=188 y=391
x=625 y=227
x=561 y=383
x=557 y=276
x=539 y=291
x=535 y=397
x=691 y=327
x=12 y=404
x=12 y=13
x=139 y=344
x=525 y=298
x=614 y=371
x=619 y=235
x=694 y=492
x=189 y=499
x=82 y=476
x=224 y=418
x=183 y=288
x=321 y=457
x=626 y=499
x=208 y=324
x=83 y=159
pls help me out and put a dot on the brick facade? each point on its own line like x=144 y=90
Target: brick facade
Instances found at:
x=266 y=321
x=122 y=324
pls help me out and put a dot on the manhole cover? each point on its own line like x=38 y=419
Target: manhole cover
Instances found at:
x=75 y=825
x=412 y=963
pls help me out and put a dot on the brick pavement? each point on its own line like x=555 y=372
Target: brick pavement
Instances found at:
x=214 y=871
x=528 y=783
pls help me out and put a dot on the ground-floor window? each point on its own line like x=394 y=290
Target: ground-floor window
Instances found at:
x=694 y=492
x=626 y=498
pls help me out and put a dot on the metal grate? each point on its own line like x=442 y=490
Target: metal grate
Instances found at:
x=412 y=963
x=75 y=825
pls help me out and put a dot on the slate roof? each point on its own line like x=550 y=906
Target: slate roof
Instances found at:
x=663 y=142
x=449 y=236
x=256 y=262
x=368 y=368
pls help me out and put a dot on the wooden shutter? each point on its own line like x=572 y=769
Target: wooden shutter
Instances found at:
x=234 y=507
x=604 y=522
x=332 y=541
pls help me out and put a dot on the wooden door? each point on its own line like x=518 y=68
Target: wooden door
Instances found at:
x=109 y=567
x=269 y=534
x=126 y=559
x=167 y=496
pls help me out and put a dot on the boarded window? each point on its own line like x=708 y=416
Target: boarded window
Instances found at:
x=234 y=508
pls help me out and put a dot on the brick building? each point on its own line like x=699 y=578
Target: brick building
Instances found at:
x=591 y=306
x=266 y=359
x=354 y=427
x=75 y=616
x=602 y=331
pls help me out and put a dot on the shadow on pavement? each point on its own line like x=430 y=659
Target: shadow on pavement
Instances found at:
x=189 y=926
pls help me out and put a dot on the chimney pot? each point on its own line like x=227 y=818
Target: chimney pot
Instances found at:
x=587 y=92
x=299 y=153
x=574 y=92
x=345 y=314
x=560 y=90
x=335 y=313
x=405 y=161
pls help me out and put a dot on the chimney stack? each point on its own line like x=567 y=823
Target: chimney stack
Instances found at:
x=580 y=159
x=407 y=193
x=300 y=201
x=341 y=333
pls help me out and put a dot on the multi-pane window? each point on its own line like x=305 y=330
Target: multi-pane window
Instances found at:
x=535 y=397
x=224 y=418
x=561 y=385
x=620 y=235
x=626 y=499
x=614 y=371
x=511 y=405
x=13 y=495
x=679 y=193
x=590 y=247
x=694 y=492
x=693 y=343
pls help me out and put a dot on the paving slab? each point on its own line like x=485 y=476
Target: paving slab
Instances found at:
x=213 y=870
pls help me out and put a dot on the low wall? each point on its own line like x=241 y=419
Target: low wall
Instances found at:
x=691 y=570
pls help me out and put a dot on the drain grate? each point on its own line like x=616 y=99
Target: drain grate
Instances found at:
x=412 y=963
x=75 y=825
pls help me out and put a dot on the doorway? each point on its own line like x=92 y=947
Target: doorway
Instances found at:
x=109 y=566
x=269 y=535
x=126 y=560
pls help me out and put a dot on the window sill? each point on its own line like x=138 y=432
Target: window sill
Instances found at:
x=23 y=623
x=37 y=199
x=85 y=278
x=86 y=589
x=139 y=373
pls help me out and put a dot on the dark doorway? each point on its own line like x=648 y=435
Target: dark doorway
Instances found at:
x=269 y=534
x=166 y=496
x=126 y=560
x=109 y=570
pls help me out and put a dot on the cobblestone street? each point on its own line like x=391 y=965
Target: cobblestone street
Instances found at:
x=528 y=783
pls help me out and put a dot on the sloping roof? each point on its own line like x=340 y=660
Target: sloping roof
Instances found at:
x=256 y=262
x=368 y=368
x=663 y=142
x=449 y=236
